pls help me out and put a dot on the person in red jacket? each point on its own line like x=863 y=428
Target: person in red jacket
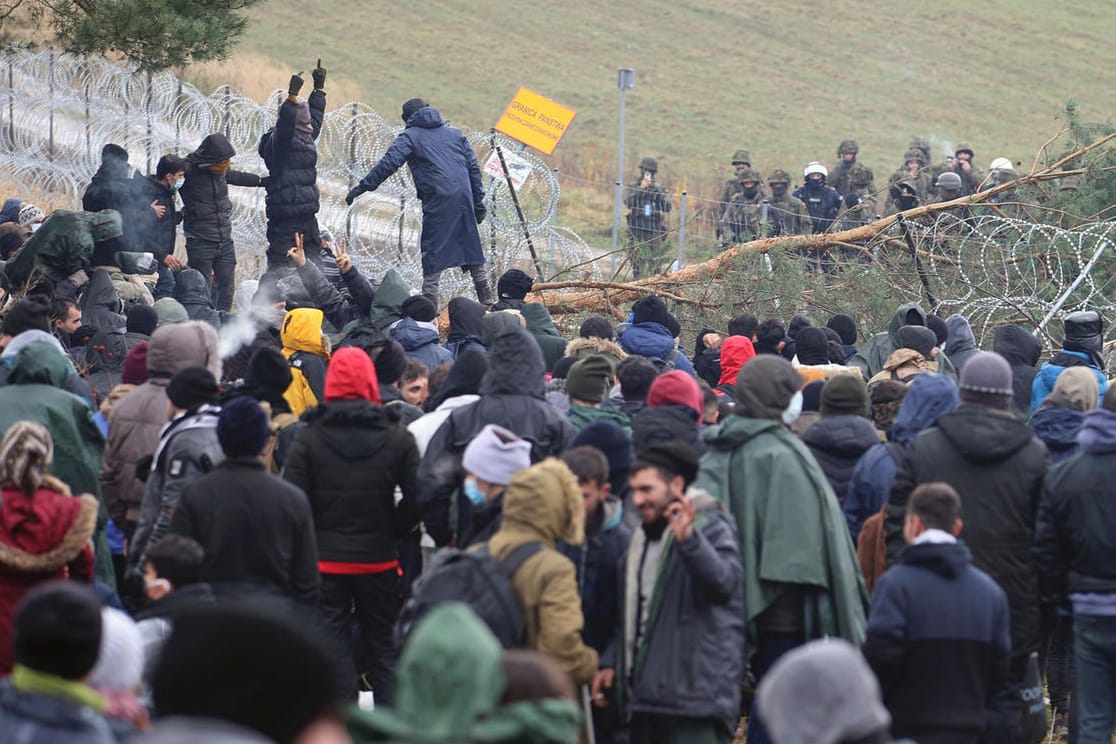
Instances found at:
x=44 y=531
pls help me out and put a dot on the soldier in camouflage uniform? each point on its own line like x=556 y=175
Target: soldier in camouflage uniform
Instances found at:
x=962 y=164
x=859 y=205
x=740 y=221
x=647 y=202
x=915 y=171
x=902 y=193
x=786 y=215
x=741 y=161
x=846 y=161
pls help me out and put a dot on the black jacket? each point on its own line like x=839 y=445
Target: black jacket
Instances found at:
x=348 y=459
x=112 y=188
x=151 y=232
x=662 y=424
x=292 y=162
x=1075 y=543
x=338 y=308
x=939 y=636
x=1021 y=350
x=256 y=530
x=997 y=466
x=512 y=396
x=837 y=443
x=195 y=293
x=206 y=209
x=691 y=660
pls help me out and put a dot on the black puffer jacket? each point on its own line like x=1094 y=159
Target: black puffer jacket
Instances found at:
x=512 y=396
x=997 y=466
x=837 y=443
x=206 y=209
x=348 y=459
x=195 y=294
x=153 y=233
x=1075 y=545
x=111 y=188
x=1021 y=350
x=292 y=162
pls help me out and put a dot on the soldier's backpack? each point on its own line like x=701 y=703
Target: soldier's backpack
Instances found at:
x=475 y=578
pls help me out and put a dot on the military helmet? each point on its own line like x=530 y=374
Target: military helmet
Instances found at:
x=963 y=148
x=815 y=167
x=860 y=175
x=778 y=176
x=949 y=181
x=649 y=164
x=750 y=174
x=920 y=144
x=742 y=156
x=848 y=145
x=915 y=154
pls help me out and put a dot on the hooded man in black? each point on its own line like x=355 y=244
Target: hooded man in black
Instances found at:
x=207 y=213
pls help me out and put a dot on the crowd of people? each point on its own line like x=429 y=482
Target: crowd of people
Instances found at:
x=232 y=525
x=839 y=197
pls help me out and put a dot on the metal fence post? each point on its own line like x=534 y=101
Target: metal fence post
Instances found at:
x=50 y=93
x=681 y=231
x=88 y=127
x=11 y=104
x=177 y=119
x=150 y=126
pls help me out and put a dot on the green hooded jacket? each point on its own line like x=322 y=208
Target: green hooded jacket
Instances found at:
x=449 y=683
x=388 y=302
x=581 y=416
x=871 y=357
x=34 y=393
x=541 y=327
x=789 y=523
x=63 y=245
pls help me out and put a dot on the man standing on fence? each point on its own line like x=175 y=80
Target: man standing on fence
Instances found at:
x=647 y=202
x=291 y=155
x=207 y=213
x=448 y=181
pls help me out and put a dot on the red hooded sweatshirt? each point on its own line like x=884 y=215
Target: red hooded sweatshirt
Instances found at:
x=351 y=376
x=736 y=351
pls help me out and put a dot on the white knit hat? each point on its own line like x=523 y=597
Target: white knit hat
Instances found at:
x=120 y=663
x=495 y=454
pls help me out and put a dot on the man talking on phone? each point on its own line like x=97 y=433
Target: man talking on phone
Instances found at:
x=682 y=625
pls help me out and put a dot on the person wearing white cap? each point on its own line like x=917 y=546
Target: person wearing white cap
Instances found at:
x=490 y=461
x=119 y=672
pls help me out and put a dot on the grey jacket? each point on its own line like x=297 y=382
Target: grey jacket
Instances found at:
x=187 y=450
x=690 y=661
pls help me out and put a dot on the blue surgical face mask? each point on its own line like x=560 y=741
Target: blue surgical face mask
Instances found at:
x=178 y=183
x=473 y=492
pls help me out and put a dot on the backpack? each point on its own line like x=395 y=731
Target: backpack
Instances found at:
x=477 y=579
x=665 y=364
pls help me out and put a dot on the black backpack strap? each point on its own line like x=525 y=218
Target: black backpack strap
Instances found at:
x=518 y=557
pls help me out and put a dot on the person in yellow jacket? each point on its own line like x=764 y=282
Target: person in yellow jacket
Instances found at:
x=543 y=504
x=307 y=349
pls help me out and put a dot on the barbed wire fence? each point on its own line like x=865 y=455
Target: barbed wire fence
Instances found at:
x=57 y=111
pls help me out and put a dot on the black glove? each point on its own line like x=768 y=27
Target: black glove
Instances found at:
x=319 y=74
x=480 y=211
x=296 y=84
x=354 y=192
x=851 y=200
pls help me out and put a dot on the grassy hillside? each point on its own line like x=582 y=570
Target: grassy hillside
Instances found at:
x=786 y=81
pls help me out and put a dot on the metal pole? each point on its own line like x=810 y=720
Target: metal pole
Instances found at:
x=88 y=127
x=618 y=198
x=178 y=119
x=50 y=93
x=11 y=105
x=352 y=167
x=1076 y=282
x=228 y=108
x=681 y=231
x=553 y=223
x=515 y=200
x=149 y=123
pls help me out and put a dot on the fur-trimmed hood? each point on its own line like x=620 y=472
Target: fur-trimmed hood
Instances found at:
x=43 y=533
x=582 y=346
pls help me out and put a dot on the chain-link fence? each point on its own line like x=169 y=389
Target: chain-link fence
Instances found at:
x=58 y=110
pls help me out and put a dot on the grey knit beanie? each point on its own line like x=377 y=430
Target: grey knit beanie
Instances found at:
x=987 y=380
x=495 y=454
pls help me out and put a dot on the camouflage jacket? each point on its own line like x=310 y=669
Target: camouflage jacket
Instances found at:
x=789 y=216
x=740 y=220
x=733 y=187
x=839 y=177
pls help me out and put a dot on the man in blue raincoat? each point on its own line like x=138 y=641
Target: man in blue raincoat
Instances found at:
x=448 y=181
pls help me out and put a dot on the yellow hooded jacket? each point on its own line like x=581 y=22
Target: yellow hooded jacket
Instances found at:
x=306 y=349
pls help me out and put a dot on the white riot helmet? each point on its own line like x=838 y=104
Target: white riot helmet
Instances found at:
x=815 y=167
x=1002 y=164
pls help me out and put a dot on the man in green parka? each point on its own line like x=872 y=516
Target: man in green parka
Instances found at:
x=34 y=392
x=873 y=355
x=801 y=577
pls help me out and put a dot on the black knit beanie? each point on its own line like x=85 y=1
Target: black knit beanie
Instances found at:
x=676 y=457
x=650 y=309
x=812 y=346
x=514 y=285
x=142 y=319
x=420 y=308
x=268 y=370
x=243 y=428
x=191 y=387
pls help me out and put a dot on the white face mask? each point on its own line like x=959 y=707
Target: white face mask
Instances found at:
x=794 y=409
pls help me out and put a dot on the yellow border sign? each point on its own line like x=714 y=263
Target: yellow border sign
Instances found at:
x=535 y=121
